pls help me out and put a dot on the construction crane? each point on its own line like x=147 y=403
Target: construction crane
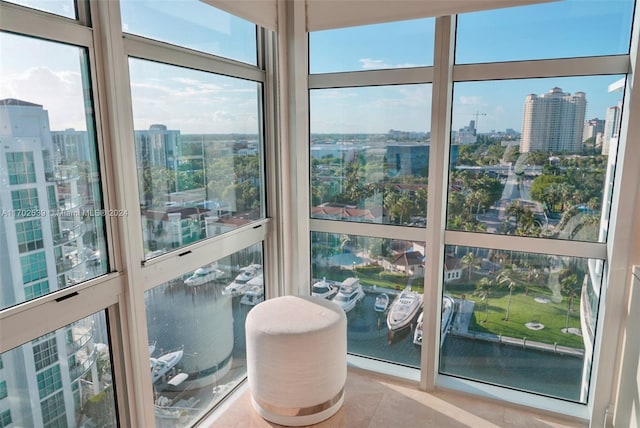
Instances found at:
x=476 y=114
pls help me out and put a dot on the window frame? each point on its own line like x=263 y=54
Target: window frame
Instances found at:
x=108 y=49
x=442 y=75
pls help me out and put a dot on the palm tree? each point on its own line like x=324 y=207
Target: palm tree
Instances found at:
x=344 y=240
x=483 y=289
x=569 y=286
x=470 y=261
x=508 y=277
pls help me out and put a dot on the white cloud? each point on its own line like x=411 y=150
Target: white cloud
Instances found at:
x=371 y=64
x=60 y=93
x=377 y=64
x=470 y=100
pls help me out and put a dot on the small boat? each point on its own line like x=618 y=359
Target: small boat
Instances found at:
x=239 y=284
x=204 y=275
x=178 y=379
x=349 y=294
x=382 y=302
x=254 y=293
x=163 y=364
x=403 y=310
x=324 y=288
x=152 y=348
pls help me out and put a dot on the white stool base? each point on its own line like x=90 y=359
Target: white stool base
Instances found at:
x=298 y=421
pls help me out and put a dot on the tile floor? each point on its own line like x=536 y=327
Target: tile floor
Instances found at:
x=375 y=401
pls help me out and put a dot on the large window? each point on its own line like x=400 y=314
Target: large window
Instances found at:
x=531 y=161
x=197 y=352
x=520 y=320
x=370 y=154
x=571 y=28
x=460 y=185
x=51 y=199
x=198 y=153
x=191 y=24
x=63 y=378
x=373 y=47
x=525 y=155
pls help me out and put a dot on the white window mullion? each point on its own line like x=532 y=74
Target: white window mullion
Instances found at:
x=182 y=261
x=273 y=260
x=399 y=76
x=120 y=128
x=592 y=250
x=376 y=230
x=41 y=24
x=139 y=47
x=623 y=251
x=57 y=310
x=613 y=64
x=436 y=207
x=293 y=94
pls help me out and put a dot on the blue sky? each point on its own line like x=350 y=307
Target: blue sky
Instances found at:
x=195 y=102
x=553 y=30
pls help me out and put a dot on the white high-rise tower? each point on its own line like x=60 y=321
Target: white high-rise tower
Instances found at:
x=553 y=122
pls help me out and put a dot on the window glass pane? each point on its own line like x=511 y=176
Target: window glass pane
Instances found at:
x=370 y=154
x=59 y=7
x=61 y=379
x=571 y=28
x=197 y=353
x=199 y=153
x=191 y=24
x=380 y=285
x=522 y=320
x=381 y=46
x=535 y=157
x=50 y=194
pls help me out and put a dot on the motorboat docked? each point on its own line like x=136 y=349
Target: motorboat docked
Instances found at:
x=254 y=293
x=445 y=321
x=204 y=275
x=239 y=284
x=417 y=333
x=162 y=365
x=403 y=310
x=382 y=302
x=324 y=288
x=448 y=306
x=349 y=294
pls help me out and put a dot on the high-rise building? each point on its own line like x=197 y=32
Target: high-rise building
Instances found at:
x=591 y=128
x=467 y=134
x=157 y=150
x=42 y=250
x=611 y=126
x=553 y=121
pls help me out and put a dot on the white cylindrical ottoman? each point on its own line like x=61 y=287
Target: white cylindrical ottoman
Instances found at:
x=296 y=359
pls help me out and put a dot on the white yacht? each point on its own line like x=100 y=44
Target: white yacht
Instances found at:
x=403 y=310
x=254 y=293
x=447 y=316
x=349 y=294
x=239 y=284
x=204 y=275
x=324 y=288
x=448 y=306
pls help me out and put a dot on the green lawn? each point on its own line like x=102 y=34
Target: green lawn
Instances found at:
x=523 y=309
